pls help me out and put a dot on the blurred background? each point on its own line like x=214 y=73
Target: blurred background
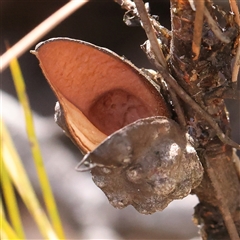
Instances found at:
x=84 y=208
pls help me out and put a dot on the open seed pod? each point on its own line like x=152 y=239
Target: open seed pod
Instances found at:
x=99 y=92
x=112 y=111
x=147 y=164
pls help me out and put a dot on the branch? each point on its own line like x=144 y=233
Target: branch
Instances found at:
x=232 y=230
x=172 y=82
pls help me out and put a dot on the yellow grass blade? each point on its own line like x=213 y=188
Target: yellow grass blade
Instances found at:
x=2 y=213
x=42 y=175
x=13 y=164
x=11 y=202
x=6 y=230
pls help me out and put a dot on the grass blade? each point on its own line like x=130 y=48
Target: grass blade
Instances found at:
x=13 y=164
x=11 y=202
x=42 y=175
x=6 y=230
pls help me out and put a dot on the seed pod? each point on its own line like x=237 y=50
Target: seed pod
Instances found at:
x=98 y=91
x=147 y=164
x=146 y=161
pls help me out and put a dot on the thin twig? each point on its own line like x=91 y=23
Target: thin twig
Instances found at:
x=231 y=227
x=235 y=10
x=192 y=4
x=236 y=162
x=178 y=108
x=235 y=70
x=214 y=27
x=126 y=4
x=37 y=33
x=150 y=33
x=223 y=92
x=198 y=25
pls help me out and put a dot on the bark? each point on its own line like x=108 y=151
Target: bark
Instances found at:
x=219 y=191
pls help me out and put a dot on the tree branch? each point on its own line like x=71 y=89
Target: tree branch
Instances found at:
x=232 y=230
x=172 y=82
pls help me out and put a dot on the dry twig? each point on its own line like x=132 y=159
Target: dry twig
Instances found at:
x=37 y=33
x=126 y=4
x=235 y=70
x=178 y=108
x=198 y=23
x=235 y=10
x=150 y=33
x=213 y=25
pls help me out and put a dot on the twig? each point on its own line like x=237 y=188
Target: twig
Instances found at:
x=198 y=23
x=224 y=92
x=236 y=162
x=126 y=4
x=214 y=27
x=150 y=23
x=235 y=10
x=235 y=69
x=150 y=33
x=178 y=108
x=37 y=33
x=231 y=227
x=192 y=4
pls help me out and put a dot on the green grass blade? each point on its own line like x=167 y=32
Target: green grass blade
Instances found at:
x=42 y=175
x=11 y=202
x=16 y=171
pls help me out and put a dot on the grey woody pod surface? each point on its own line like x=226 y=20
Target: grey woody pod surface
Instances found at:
x=147 y=164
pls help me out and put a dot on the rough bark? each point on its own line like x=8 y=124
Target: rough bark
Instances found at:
x=201 y=79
